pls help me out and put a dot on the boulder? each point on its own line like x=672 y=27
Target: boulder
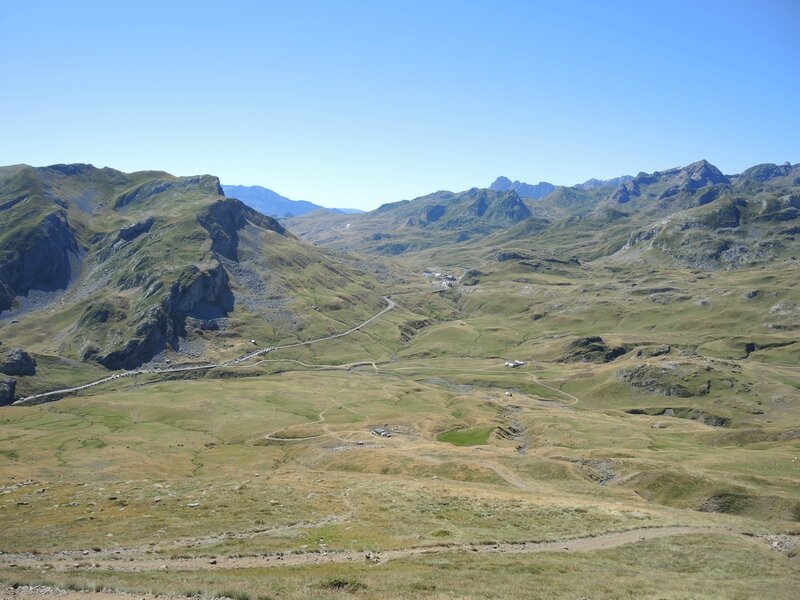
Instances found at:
x=17 y=362
x=651 y=351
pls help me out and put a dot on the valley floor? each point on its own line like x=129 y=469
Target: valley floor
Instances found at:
x=558 y=478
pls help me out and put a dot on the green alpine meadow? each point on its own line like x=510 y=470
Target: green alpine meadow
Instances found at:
x=200 y=402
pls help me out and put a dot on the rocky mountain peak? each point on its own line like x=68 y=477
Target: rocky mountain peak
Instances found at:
x=702 y=173
x=524 y=190
x=501 y=184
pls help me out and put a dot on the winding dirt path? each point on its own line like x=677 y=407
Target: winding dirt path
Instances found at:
x=537 y=381
x=320 y=419
x=126 y=563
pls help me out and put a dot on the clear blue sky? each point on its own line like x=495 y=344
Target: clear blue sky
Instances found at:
x=359 y=103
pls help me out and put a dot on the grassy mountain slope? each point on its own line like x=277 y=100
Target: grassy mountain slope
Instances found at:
x=116 y=268
x=434 y=220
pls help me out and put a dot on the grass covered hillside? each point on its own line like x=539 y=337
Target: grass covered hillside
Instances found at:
x=116 y=269
x=435 y=220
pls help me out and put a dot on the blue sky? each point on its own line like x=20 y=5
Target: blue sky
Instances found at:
x=360 y=103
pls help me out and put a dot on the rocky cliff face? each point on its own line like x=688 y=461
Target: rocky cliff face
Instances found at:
x=7 y=389
x=39 y=260
x=198 y=294
x=224 y=219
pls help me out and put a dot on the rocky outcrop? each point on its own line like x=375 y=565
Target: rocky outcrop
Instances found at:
x=505 y=255
x=39 y=260
x=224 y=219
x=785 y=208
x=199 y=294
x=7 y=389
x=131 y=232
x=727 y=215
x=624 y=193
x=683 y=413
x=434 y=213
x=591 y=349
x=666 y=379
x=652 y=351
x=525 y=190
x=15 y=361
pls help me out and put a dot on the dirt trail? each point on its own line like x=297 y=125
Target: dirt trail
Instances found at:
x=37 y=592
x=507 y=475
x=574 y=399
x=59 y=562
x=37 y=398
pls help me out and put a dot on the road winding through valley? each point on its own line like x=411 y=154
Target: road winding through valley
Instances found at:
x=38 y=398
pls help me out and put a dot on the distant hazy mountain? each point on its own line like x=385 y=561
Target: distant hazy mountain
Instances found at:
x=524 y=190
x=600 y=183
x=543 y=188
x=272 y=203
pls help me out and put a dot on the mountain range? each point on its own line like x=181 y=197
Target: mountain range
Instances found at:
x=692 y=216
x=120 y=269
x=272 y=203
x=543 y=188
